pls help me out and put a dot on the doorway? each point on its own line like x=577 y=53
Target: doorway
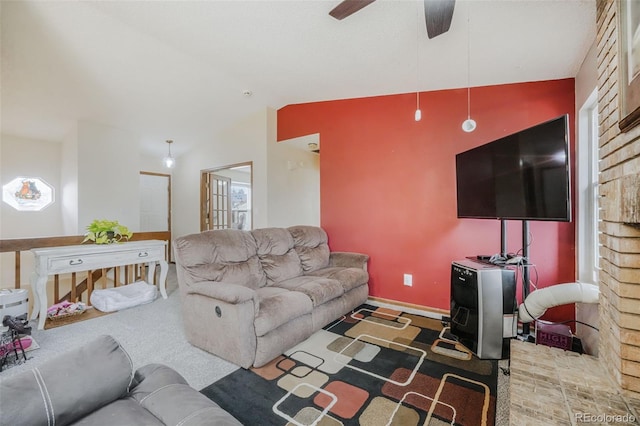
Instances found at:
x=155 y=202
x=226 y=197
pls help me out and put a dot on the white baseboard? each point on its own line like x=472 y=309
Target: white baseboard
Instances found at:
x=407 y=307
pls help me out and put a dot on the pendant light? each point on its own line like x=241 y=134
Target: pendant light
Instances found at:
x=168 y=161
x=468 y=125
x=418 y=115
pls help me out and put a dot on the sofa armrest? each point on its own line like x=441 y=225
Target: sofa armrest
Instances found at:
x=68 y=387
x=211 y=309
x=348 y=259
x=164 y=393
x=152 y=377
x=226 y=292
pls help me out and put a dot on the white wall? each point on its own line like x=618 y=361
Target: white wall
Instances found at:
x=95 y=173
x=293 y=184
x=152 y=164
x=282 y=195
x=244 y=141
x=69 y=183
x=108 y=175
x=28 y=157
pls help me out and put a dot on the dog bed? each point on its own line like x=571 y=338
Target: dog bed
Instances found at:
x=127 y=296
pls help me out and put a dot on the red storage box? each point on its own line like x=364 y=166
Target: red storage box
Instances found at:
x=554 y=335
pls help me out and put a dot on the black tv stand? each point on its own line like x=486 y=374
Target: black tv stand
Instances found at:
x=525 y=254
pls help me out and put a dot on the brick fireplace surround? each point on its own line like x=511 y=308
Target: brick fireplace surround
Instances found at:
x=619 y=155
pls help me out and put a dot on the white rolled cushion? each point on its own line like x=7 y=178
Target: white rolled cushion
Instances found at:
x=118 y=298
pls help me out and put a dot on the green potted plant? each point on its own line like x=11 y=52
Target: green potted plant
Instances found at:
x=106 y=232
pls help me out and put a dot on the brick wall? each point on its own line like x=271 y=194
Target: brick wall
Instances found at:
x=619 y=155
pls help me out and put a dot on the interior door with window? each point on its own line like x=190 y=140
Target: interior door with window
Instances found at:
x=216 y=202
x=226 y=197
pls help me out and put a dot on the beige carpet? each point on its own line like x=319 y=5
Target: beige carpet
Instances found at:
x=150 y=333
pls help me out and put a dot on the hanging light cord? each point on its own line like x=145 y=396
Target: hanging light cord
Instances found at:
x=468 y=68
x=417 y=54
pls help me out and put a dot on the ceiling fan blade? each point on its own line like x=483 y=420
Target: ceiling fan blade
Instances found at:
x=348 y=7
x=438 y=15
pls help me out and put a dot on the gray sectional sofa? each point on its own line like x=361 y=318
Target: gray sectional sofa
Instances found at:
x=96 y=385
x=248 y=296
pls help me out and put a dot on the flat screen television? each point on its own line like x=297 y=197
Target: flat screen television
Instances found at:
x=523 y=176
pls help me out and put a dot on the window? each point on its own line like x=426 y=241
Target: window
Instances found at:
x=240 y=205
x=587 y=187
x=27 y=193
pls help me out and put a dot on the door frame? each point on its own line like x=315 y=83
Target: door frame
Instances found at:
x=203 y=187
x=169 y=249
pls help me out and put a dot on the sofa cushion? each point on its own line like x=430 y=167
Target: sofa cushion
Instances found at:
x=311 y=244
x=318 y=289
x=277 y=256
x=276 y=241
x=184 y=406
x=124 y=411
x=228 y=255
x=279 y=306
x=102 y=373
x=349 y=278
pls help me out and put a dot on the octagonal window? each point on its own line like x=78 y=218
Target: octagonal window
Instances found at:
x=27 y=194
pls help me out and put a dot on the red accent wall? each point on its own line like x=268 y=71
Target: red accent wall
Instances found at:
x=387 y=183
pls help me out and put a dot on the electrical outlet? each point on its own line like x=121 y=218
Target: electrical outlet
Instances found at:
x=408 y=280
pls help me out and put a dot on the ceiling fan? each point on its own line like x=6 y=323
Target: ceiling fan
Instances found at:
x=437 y=13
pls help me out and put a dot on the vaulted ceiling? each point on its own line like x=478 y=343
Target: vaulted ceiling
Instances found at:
x=179 y=69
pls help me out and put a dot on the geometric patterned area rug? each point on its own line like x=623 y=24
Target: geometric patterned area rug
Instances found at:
x=373 y=367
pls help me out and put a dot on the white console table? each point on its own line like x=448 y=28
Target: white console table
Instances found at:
x=66 y=259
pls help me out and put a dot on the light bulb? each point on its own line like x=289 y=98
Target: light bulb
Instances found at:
x=469 y=125
x=169 y=162
x=418 y=115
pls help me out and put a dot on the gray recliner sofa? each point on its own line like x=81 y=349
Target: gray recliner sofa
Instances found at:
x=96 y=385
x=248 y=296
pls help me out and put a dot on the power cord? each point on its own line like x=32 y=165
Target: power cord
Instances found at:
x=566 y=322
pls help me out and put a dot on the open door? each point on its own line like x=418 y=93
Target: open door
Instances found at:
x=217 y=206
x=225 y=197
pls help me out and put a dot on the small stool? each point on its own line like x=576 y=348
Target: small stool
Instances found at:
x=13 y=301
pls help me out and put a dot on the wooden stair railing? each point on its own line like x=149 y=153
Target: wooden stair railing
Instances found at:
x=79 y=288
x=19 y=245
